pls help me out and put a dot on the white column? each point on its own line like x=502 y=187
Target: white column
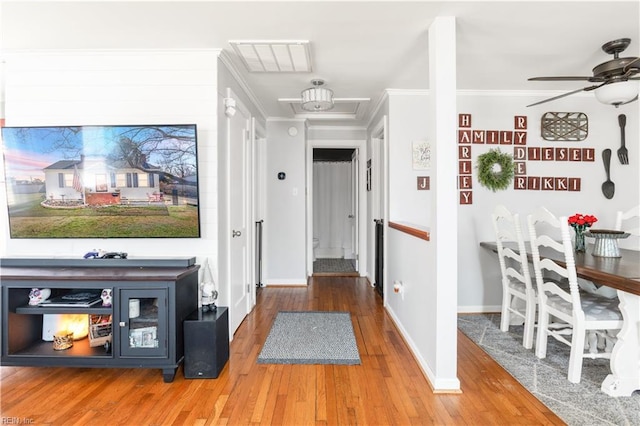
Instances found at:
x=442 y=90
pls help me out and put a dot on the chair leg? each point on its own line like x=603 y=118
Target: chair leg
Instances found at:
x=543 y=324
x=504 y=316
x=577 y=353
x=530 y=317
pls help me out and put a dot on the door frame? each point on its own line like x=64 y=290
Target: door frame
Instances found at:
x=256 y=201
x=380 y=195
x=361 y=147
x=226 y=228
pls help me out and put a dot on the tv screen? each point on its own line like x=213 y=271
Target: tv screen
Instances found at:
x=102 y=181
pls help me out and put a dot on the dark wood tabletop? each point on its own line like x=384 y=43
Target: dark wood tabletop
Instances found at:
x=621 y=273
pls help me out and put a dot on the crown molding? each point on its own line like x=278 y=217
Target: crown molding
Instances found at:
x=226 y=60
x=100 y=52
x=321 y=127
x=516 y=93
x=407 y=92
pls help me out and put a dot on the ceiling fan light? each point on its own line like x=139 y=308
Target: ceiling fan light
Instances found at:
x=617 y=93
x=317 y=98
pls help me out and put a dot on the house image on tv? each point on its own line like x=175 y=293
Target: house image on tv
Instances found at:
x=94 y=181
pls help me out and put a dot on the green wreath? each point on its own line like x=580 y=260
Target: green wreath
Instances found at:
x=495 y=170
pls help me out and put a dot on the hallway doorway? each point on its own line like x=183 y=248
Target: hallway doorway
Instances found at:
x=335 y=213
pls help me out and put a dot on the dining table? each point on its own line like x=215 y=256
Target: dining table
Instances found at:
x=623 y=274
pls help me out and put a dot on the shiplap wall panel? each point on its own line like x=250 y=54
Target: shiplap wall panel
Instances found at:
x=49 y=88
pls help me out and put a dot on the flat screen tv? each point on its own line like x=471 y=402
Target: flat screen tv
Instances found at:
x=102 y=181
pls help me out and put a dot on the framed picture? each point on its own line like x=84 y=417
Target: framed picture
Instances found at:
x=421 y=151
x=143 y=338
x=138 y=181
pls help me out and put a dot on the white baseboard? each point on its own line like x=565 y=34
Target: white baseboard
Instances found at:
x=479 y=309
x=284 y=282
x=439 y=384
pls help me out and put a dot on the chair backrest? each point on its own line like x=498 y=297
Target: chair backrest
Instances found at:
x=629 y=221
x=513 y=261
x=544 y=231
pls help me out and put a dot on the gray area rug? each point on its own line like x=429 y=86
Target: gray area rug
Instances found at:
x=310 y=337
x=577 y=404
x=333 y=265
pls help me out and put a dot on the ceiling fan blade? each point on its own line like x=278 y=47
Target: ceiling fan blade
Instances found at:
x=635 y=63
x=584 y=89
x=561 y=78
x=556 y=97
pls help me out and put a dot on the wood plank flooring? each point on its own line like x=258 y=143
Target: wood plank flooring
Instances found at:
x=387 y=389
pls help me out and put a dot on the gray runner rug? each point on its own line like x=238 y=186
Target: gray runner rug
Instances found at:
x=310 y=337
x=577 y=404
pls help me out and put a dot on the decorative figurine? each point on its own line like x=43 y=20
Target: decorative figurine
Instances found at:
x=106 y=297
x=37 y=296
x=208 y=291
x=101 y=254
x=94 y=254
x=209 y=297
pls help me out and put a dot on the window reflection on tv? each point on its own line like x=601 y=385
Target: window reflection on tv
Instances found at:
x=102 y=181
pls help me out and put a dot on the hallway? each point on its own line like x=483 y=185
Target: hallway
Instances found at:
x=388 y=388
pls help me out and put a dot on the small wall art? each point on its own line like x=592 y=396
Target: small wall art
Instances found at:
x=564 y=126
x=421 y=155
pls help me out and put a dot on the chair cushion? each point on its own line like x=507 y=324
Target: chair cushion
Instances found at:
x=594 y=307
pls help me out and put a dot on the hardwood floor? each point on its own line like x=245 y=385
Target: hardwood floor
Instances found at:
x=388 y=388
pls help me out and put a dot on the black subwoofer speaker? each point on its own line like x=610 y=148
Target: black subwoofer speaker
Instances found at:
x=206 y=343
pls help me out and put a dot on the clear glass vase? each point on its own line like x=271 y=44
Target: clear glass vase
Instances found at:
x=579 y=245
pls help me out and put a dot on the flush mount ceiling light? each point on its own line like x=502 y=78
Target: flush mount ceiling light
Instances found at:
x=274 y=55
x=317 y=98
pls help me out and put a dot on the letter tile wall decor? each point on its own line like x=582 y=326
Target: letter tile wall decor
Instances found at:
x=470 y=139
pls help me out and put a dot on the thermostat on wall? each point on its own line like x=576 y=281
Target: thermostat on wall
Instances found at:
x=281 y=176
x=293 y=131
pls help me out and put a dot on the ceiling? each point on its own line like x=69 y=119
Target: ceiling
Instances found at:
x=360 y=48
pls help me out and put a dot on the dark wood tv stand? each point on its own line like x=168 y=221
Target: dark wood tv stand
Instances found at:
x=151 y=299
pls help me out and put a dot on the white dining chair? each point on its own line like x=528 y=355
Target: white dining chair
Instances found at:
x=584 y=312
x=516 y=277
x=629 y=221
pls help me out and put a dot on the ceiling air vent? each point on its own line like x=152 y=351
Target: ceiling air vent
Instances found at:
x=274 y=55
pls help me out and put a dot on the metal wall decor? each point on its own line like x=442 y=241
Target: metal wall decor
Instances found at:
x=564 y=126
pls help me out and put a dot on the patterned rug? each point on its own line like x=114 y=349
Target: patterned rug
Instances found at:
x=333 y=265
x=310 y=337
x=577 y=404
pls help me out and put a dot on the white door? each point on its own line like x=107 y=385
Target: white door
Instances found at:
x=238 y=140
x=353 y=216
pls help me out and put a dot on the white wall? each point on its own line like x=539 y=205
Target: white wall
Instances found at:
x=285 y=219
x=479 y=282
x=408 y=123
x=119 y=87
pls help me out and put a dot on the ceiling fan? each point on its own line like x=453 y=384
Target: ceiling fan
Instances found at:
x=614 y=80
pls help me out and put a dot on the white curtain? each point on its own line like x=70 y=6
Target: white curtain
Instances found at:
x=331 y=207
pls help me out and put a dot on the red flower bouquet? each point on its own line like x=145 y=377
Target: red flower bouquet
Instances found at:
x=580 y=223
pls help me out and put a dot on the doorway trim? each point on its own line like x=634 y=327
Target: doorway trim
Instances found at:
x=380 y=194
x=361 y=147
